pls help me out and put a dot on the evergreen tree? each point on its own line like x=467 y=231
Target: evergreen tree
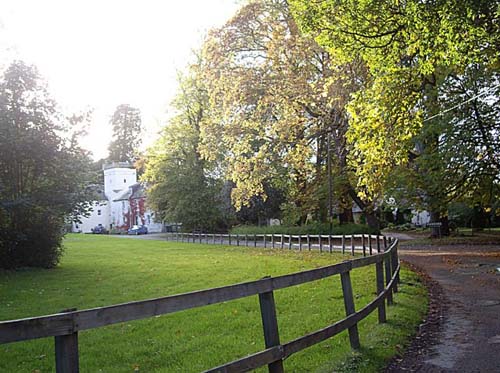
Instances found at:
x=126 y=122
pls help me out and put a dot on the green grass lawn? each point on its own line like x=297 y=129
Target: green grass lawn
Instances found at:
x=99 y=271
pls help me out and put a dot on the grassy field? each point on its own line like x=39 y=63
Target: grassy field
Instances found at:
x=98 y=271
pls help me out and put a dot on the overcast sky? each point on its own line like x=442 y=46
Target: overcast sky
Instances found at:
x=100 y=54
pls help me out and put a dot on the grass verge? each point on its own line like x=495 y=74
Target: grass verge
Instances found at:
x=99 y=271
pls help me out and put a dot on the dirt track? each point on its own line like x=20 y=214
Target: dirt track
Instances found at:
x=462 y=332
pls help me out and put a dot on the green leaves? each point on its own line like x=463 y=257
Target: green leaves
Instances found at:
x=43 y=175
x=410 y=49
x=182 y=187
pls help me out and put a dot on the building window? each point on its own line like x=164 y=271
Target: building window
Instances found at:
x=98 y=212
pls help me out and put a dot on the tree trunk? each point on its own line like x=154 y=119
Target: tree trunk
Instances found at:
x=444 y=229
x=346 y=216
x=371 y=218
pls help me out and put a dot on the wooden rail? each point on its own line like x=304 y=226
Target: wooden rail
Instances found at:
x=363 y=243
x=66 y=325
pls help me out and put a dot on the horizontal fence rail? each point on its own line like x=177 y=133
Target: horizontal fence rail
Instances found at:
x=66 y=325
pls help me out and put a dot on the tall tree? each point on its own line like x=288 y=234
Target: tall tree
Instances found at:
x=457 y=157
x=276 y=97
x=126 y=123
x=183 y=187
x=43 y=176
x=410 y=48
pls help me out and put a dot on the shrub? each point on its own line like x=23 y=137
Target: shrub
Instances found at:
x=34 y=242
x=314 y=228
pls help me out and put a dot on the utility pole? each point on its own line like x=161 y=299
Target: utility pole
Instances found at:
x=330 y=186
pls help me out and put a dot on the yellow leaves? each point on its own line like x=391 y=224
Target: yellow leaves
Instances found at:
x=383 y=121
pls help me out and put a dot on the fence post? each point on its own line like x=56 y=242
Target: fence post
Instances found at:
x=237 y=239
x=320 y=243
x=199 y=236
x=343 y=244
x=282 y=240
x=385 y=243
x=394 y=263
x=246 y=239
x=345 y=278
x=308 y=242
x=363 y=244
x=378 y=243
x=370 y=244
x=388 y=275
x=352 y=244
x=265 y=241
x=300 y=242
x=254 y=240
x=272 y=240
x=66 y=349
x=379 y=266
x=330 y=242
x=289 y=242
x=270 y=326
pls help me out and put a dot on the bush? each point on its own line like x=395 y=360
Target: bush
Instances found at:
x=315 y=228
x=37 y=242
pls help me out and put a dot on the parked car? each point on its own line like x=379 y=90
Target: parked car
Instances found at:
x=99 y=229
x=138 y=229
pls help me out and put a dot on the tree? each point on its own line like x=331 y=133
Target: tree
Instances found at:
x=183 y=187
x=42 y=175
x=276 y=98
x=411 y=49
x=126 y=122
x=456 y=157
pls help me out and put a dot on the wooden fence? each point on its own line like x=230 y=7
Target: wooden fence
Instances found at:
x=365 y=243
x=66 y=325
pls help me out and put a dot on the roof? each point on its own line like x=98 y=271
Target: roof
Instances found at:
x=134 y=191
x=108 y=166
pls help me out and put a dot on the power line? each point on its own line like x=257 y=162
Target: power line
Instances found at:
x=489 y=91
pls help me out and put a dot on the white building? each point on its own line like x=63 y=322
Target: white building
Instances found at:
x=121 y=203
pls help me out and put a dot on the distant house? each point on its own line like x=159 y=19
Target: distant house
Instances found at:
x=121 y=203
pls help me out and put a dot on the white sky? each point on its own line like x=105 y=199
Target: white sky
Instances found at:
x=100 y=54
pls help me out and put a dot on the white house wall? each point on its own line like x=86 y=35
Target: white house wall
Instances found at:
x=420 y=218
x=116 y=180
x=119 y=212
x=153 y=227
x=98 y=215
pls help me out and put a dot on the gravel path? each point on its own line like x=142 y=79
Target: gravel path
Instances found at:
x=462 y=330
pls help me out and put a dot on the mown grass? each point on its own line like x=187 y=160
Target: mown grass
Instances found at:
x=99 y=271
